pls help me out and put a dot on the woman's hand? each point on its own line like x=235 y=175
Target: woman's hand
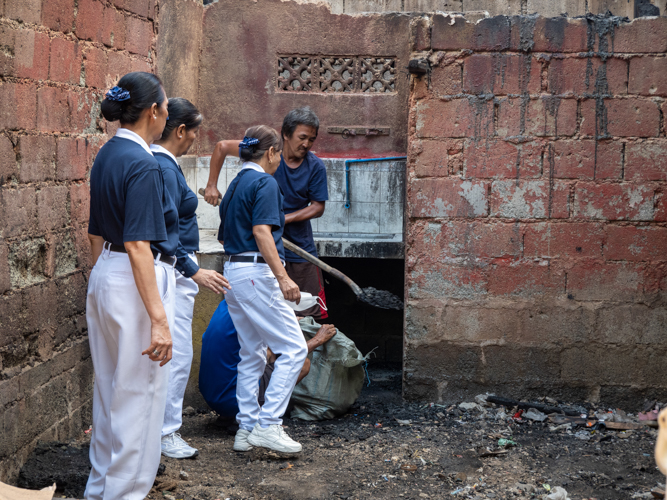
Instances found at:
x=212 y=280
x=290 y=289
x=160 y=348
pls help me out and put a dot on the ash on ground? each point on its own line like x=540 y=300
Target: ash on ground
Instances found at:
x=381 y=298
x=388 y=448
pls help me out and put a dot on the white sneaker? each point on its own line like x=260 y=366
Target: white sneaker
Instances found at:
x=241 y=440
x=173 y=446
x=273 y=437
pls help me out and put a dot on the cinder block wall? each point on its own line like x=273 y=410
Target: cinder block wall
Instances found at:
x=536 y=238
x=57 y=59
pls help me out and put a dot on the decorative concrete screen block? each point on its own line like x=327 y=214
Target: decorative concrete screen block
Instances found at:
x=351 y=74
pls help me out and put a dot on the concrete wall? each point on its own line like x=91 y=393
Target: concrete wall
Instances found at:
x=536 y=241
x=546 y=8
x=350 y=70
x=376 y=192
x=56 y=62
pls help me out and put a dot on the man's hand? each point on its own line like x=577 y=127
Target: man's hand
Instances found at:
x=212 y=195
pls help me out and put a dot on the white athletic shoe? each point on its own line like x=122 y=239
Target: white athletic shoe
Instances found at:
x=173 y=446
x=241 y=440
x=273 y=437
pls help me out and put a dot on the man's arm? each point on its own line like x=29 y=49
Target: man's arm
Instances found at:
x=220 y=152
x=312 y=211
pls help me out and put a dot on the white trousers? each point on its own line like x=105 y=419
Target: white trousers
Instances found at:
x=130 y=389
x=181 y=361
x=261 y=321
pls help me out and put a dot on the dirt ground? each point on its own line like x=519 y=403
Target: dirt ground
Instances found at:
x=368 y=454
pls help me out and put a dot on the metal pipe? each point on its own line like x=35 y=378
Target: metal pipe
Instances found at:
x=363 y=160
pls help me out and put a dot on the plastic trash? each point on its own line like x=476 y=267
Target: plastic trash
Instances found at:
x=403 y=422
x=558 y=493
x=506 y=443
x=470 y=406
x=533 y=414
x=583 y=435
x=307 y=301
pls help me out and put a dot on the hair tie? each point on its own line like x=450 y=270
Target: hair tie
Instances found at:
x=249 y=143
x=118 y=94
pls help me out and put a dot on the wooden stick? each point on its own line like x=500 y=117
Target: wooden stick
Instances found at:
x=314 y=260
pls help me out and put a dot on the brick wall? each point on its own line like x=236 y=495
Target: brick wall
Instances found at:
x=57 y=58
x=537 y=245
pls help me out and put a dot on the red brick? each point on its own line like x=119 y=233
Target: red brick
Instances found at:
x=8 y=42
x=120 y=4
x=647 y=76
x=138 y=36
x=73 y=159
x=635 y=243
x=529 y=199
x=547 y=116
x=498 y=159
x=65 y=63
x=564 y=241
x=501 y=74
x=84 y=115
x=10 y=320
x=454 y=33
x=646 y=160
x=477 y=240
x=522 y=278
x=5 y=280
x=19 y=106
x=152 y=4
x=468 y=117
x=58 y=15
x=89 y=25
x=445 y=281
x=141 y=64
x=114 y=28
x=613 y=201
x=52 y=110
x=632 y=118
x=52 y=208
x=647 y=35
x=592 y=280
x=7 y=160
x=119 y=64
x=660 y=208
x=41 y=305
x=578 y=76
x=576 y=159
x=560 y=34
x=448 y=197
x=28 y=11
x=31 y=55
x=446 y=80
x=79 y=195
x=19 y=211
x=431 y=158
x=95 y=67
x=37 y=158
x=420 y=31
x=138 y=7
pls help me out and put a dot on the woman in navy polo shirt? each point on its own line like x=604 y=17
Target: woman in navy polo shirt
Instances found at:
x=133 y=230
x=177 y=137
x=251 y=228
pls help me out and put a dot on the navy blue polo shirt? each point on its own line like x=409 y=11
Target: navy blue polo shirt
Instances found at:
x=128 y=200
x=186 y=203
x=252 y=199
x=300 y=186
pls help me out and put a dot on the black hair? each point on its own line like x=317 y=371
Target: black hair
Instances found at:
x=181 y=112
x=299 y=116
x=145 y=90
x=267 y=138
